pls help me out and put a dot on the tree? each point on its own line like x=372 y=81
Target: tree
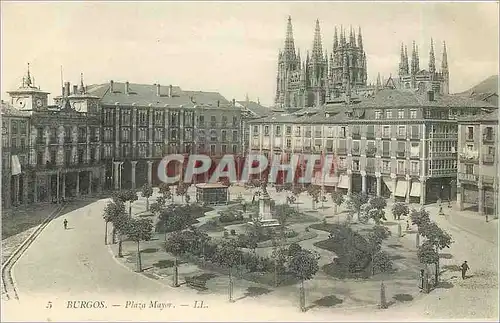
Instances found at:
x=164 y=190
x=111 y=212
x=355 y=202
x=338 y=199
x=173 y=219
x=282 y=212
x=181 y=190
x=120 y=225
x=147 y=192
x=438 y=238
x=279 y=254
x=159 y=205
x=419 y=218
x=293 y=249
x=188 y=198
x=139 y=230
x=303 y=265
x=427 y=254
x=314 y=192
x=128 y=196
x=400 y=209
x=228 y=255
x=375 y=239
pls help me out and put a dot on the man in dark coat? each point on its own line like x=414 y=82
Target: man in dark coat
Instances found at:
x=464 y=268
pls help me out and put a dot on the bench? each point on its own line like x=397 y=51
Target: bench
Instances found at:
x=196 y=283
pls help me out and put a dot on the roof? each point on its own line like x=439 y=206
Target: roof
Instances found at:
x=210 y=185
x=488 y=85
x=491 y=117
x=146 y=95
x=319 y=117
x=389 y=98
x=9 y=110
x=256 y=108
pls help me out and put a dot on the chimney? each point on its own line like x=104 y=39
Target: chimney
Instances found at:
x=170 y=91
x=218 y=103
x=66 y=89
x=234 y=102
x=430 y=95
x=63 y=92
x=111 y=87
x=127 y=87
x=75 y=89
x=158 y=93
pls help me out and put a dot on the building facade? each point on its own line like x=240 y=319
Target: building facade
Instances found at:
x=55 y=150
x=399 y=143
x=478 y=171
x=319 y=77
x=141 y=123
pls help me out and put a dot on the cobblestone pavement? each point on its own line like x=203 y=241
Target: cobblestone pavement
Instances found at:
x=76 y=265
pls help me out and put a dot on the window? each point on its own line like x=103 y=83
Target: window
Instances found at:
x=414 y=167
x=174 y=118
x=142 y=117
x=266 y=131
x=413 y=114
x=213 y=121
x=224 y=149
x=329 y=132
x=188 y=119
x=355 y=165
x=370 y=131
x=142 y=151
x=158 y=150
x=107 y=151
x=386 y=166
x=401 y=166
x=125 y=117
x=255 y=130
x=288 y=130
x=188 y=134
x=235 y=149
x=13 y=142
x=158 y=118
x=5 y=141
x=173 y=134
x=212 y=149
x=469 y=169
x=235 y=135
x=401 y=114
x=67 y=156
x=386 y=131
x=40 y=134
x=53 y=157
x=22 y=127
x=67 y=135
x=235 y=121
x=126 y=134
x=491 y=150
x=355 y=147
x=224 y=135
x=108 y=135
x=378 y=114
x=388 y=114
x=14 y=127
x=213 y=135
x=401 y=131
x=415 y=149
x=288 y=142
x=142 y=134
x=224 y=121
x=488 y=134
x=277 y=130
x=97 y=134
x=201 y=121
x=53 y=135
x=355 y=131
x=342 y=132
x=158 y=134
x=297 y=131
x=41 y=158
x=470 y=133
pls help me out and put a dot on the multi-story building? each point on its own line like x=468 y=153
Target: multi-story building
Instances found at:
x=320 y=78
x=57 y=148
x=398 y=143
x=250 y=110
x=15 y=153
x=141 y=123
x=478 y=171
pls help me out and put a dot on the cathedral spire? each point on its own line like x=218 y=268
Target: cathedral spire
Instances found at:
x=317 y=52
x=414 y=60
x=377 y=88
x=444 y=61
x=432 y=59
x=402 y=61
x=289 y=50
x=360 y=39
x=27 y=80
x=417 y=59
x=335 y=39
x=407 y=68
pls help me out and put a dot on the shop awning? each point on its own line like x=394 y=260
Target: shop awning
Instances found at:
x=401 y=188
x=388 y=182
x=343 y=181
x=415 y=189
x=16 y=165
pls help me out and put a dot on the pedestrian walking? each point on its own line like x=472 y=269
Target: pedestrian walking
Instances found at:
x=65 y=222
x=464 y=267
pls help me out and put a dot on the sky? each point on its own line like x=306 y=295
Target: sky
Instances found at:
x=231 y=48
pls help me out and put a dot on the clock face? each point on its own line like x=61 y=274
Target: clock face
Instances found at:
x=20 y=103
x=39 y=103
x=77 y=106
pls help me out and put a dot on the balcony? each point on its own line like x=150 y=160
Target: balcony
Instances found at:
x=401 y=136
x=471 y=156
x=415 y=136
x=488 y=159
x=444 y=154
x=415 y=172
x=386 y=153
x=400 y=154
x=443 y=171
x=467 y=177
x=488 y=138
x=356 y=135
x=341 y=151
x=370 y=135
x=488 y=180
x=385 y=170
x=446 y=136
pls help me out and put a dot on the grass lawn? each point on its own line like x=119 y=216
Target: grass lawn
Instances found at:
x=219 y=226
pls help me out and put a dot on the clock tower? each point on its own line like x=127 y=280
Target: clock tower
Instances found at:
x=78 y=100
x=28 y=97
